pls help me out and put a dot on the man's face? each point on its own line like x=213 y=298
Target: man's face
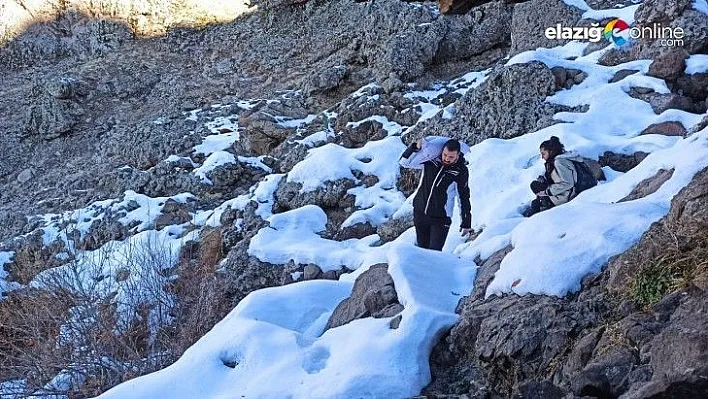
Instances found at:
x=449 y=157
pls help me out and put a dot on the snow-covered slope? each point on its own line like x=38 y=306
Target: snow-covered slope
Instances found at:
x=273 y=345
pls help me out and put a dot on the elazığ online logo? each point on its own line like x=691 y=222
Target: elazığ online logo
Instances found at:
x=618 y=32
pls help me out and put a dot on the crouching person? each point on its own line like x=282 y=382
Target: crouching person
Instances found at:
x=565 y=177
x=444 y=176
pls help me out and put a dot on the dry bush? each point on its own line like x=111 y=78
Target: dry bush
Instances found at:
x=202 y=292
x=78 y=325
x=683 y=264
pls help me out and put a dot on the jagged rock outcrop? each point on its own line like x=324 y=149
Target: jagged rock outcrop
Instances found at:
x=531 y=18
x=602 y=341
x=55 y=110
x=510 y=103
x=373 y=295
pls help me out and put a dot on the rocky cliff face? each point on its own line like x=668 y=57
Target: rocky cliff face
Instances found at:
x=619 y=336
x=115 y=102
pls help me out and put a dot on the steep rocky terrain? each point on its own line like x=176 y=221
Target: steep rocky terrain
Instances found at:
x=148 y=150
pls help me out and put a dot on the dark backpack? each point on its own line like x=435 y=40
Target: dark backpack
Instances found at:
x=586 y=179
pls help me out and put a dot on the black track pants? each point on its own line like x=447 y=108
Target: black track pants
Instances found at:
x=431 y=233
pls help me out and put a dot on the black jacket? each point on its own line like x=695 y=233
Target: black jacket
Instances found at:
x=432 y=196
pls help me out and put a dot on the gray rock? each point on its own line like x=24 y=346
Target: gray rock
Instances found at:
x=408 y=181
x=358 y=136
x=373 y=295
x=622 y=74
x=394 y=227
x=326 y=80
x=25 y=175
x=662 y=102
x=173 y=212
x=621 y=162
x=694 y=86
x=510 y=103
x=485 y=273
x=616 y=56
x=582 y=351
x=538 y=389
x=687 y=214
x=679 y=354
x=357 y=230
x=392 y=83
x=246 y=274
x=669 y=65
x=649 y=185
x=606 y=376
x=660 y=11
x=51 y=117
x=333 y=195
x=409 y=53
x=395 y=322
x=693 y=23
x=476 y=32
x=595 y=168
x=531 y=18
x=669 y=128
x=311 y=272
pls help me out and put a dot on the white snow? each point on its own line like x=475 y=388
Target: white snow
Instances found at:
x=273 y=344
x=227 y=124
x=700 y=5
x=624 y=13
x=144 y=257
x=213 y=161
x=277 y=346
x=293 y=236
x=217 y=142
x=697 y=63
x=256 y=162
x=193 y=114
x=6 y=286
x=332 y=162
x=576 y=242
x=290 y=123
x=391 y=127
x=147 y=209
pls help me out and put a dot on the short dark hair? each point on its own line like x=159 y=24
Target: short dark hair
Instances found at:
x=452 y=145
x=553 y=146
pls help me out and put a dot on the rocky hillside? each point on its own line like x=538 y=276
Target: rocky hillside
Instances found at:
x=163 y=164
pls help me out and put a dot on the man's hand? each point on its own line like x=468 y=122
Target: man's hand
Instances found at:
x=465 y=231
x=419 y=143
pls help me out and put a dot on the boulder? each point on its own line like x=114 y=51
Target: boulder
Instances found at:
x=670 y=128
x=373 y=295
x=326 y=80
x=173 y=212
x=530 y=20
x=621 y=162
x=510 y=103
x=394 y=227
x=649 y=185
x=669 y=65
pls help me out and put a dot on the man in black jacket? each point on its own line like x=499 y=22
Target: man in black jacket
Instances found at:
x=444 y=172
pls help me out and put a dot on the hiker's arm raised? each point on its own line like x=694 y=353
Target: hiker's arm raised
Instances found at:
x=417 y=154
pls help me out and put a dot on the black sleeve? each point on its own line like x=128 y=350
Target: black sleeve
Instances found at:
x=410 y=150
x=463 y=190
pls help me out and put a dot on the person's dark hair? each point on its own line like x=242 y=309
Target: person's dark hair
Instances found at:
x=452 y=145
x=553 y=146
